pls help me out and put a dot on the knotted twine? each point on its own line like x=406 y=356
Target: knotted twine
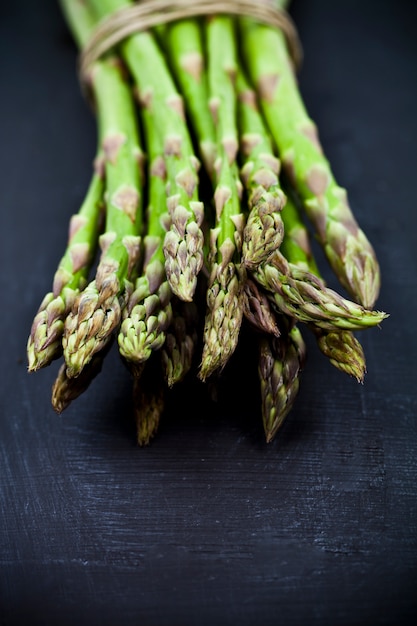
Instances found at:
x=128 y=20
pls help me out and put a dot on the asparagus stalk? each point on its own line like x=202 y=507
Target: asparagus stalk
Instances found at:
x=340 y=346
x=304 y=296
x=186 y=52
x=343 y=350
x=148 y=401
x=257 y=309
x=264 y=228
x=179 y=348
x=45 y=340
x=65 y=389
x=97 y=310
x=184 y=241
x=348 y=250
x=281 y=360
x=225 y=285
x=148 y=312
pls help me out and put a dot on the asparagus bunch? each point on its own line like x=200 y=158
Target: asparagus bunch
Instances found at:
x=222 y=88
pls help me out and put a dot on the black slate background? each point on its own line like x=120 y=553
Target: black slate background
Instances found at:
x=209 y=525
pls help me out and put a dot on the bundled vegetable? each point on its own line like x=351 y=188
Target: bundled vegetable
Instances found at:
x=197 y=107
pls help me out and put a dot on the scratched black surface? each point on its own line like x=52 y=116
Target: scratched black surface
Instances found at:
x=209 y=525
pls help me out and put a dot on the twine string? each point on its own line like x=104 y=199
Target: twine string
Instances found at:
x=128 y=20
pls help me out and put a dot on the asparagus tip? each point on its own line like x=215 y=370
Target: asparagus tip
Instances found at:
x=89 y=327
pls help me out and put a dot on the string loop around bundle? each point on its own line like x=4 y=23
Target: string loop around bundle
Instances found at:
x=128 y=20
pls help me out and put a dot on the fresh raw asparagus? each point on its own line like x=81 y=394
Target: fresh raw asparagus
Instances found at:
x=258 y=310
x=96 y=312
x=178 y=351
x=281 y=360
x=258 y=261
x=225 y=286
x=65 y=389
x=300 y=294
x=45 y=340
x=264 y=228
x=184 y=241
x=148 y=400
x=148 y=312
x=340 y=346
x=343 y=351
x=186 y=52
x=348 y=250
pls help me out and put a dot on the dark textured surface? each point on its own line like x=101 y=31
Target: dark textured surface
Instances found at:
x=209 y=525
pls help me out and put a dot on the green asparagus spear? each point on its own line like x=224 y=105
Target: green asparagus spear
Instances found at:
x=178 y=351
x=148 y=400
x=148 y=312
x=300 y=294
x=225 y=286
x=186 y=52
x=45 y=340
x=264 y=228
x=65 y=390
x=257 y=309
x=281 y=360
